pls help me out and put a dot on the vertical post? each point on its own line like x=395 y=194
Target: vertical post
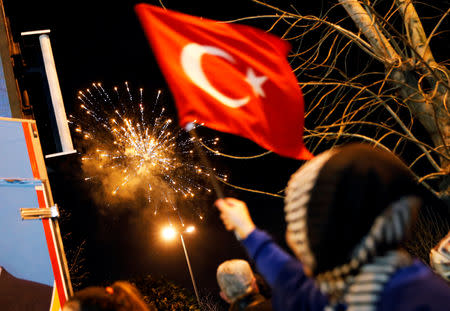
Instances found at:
x=55 y=94
x=204 y=160
x=190 y=269
x=10 y=96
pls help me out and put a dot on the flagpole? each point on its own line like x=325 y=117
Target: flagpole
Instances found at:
x=190 y=128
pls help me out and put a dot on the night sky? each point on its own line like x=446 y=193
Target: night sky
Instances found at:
x=101 y=41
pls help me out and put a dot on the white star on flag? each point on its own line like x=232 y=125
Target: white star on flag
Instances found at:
x=256 y=82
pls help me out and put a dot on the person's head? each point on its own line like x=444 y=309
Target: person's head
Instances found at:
x=235 y=278
x=120 y=296
x=347 y=205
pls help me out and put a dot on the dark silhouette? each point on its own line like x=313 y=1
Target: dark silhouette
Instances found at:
x=23 y=295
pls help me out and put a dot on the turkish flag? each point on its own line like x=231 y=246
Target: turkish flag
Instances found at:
x=231 y=77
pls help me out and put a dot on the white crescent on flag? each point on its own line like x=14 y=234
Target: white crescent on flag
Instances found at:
x=191 y=56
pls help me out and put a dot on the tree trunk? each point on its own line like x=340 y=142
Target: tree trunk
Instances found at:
x=429 y=106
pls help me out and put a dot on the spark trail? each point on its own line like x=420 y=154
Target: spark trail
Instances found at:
x=130 y=151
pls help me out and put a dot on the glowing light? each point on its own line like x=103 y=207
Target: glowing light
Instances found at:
x=168 y=233
x=190 y=229
x=131 y=149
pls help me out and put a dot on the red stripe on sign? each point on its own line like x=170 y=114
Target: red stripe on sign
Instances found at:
x=31 y=155
x=52 y=250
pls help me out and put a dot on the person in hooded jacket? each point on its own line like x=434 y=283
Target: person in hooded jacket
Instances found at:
x=347 y=211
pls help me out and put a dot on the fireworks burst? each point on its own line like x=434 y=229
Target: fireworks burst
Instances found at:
x=132 y=151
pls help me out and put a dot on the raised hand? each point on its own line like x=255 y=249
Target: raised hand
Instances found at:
x=235 y=216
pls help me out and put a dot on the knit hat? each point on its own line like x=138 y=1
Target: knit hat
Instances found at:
x=333 y=201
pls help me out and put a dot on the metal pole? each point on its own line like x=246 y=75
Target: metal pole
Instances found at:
x=190 y=269
x=204 y=160
x=55 y=94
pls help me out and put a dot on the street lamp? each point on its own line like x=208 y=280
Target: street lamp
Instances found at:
x=169 y=233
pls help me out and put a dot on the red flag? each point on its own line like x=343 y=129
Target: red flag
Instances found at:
x=231 y=77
